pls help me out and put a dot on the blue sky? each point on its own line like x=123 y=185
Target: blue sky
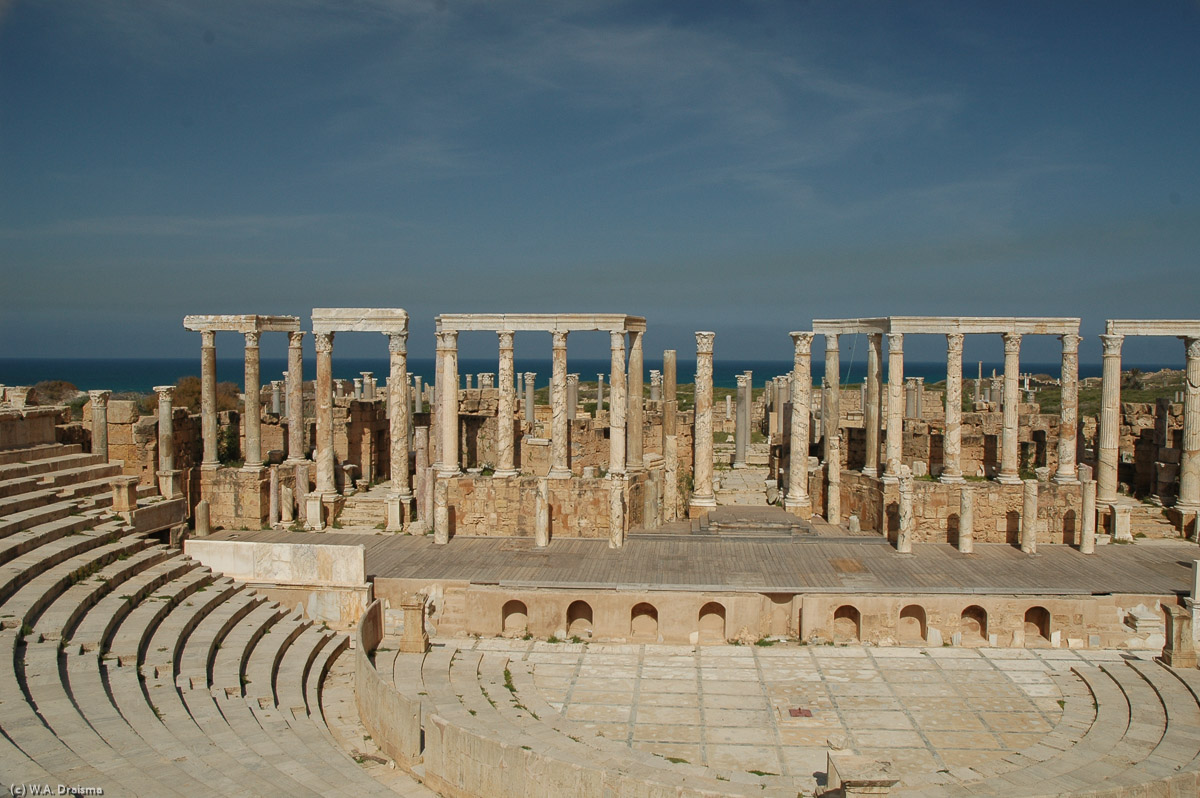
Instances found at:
x=740 y=167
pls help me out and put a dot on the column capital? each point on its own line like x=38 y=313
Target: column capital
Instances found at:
x=895 y=343
x=704 y=342
x=616 y=340
x=1112 y=344
x=296 y=338
x=600 y=376
x=397 y=342
x=558 y=339
x=742 y=380
x=1070 y=343
x=447 y=339
x=831 y=342
x=1192 y=348
x=99 y=398
x=164 y=392
x=801 y=343
x=506 y=339
x=655 y=377
x=1012 y=343
x=530 y=376
x=323 y=342
x=954 y=342
x=252 y=337
x=208 y=338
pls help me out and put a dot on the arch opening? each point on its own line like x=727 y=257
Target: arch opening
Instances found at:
x=1037 y=623
x=973 y=623
x=912 y=627
x=711 y=623
x=515 y=618
x=847 y=624
x=643 y=622
x=579 y=619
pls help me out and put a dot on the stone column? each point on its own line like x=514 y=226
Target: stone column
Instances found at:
x=441 y=505
x=435 y=403
x=910 y=397
x=448 y=396
x=966 y=520
x=616 y=404
x=424 y=477
x=168 y=477
x=670 y=441
x=741 y=430
x=728 y=407
x=952 y=440
x=702 y=496
x=295 y=396
x=208 y=397
x=326 y=480
x=871 y=411
x=1189 y=464
x=797 y=499
x=99 y=401
x=572 y=396
x=418 y=403
x=655 y=385
x=670 y=399
x=832 y=400
x=904 y=535
x=273 y=500
x=1029 y=520
x=599 y=393
x=1087 y=532
x=616 y=509
x=1110 y=410
x=275 y=407
x=833 y=478
x=357 y=391
x=530 y=381
x=1068 y=421
x=1009 y=472
x=252 y=404
x=541 y=521
x=633 y=420
x=895 y=405
x=505 y=407
x=399 y=499
x=559 y=429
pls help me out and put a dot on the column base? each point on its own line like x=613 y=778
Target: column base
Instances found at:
x=506 y=473
x=447 y=473
x=868 y=471
x=321 y=507
x=800 y=507
x=1065 y=478
x=951 y=479
x=252 y=466
x=559 y=473
x=1009 y=479
x=700 y=506
x=170 y=483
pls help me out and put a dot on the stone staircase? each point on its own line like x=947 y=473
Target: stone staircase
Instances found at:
x=131 y=668
x=1152 y=521
x=364 y=509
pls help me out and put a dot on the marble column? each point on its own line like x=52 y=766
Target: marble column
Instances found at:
x=208 y=397
x=326 y=480
x=435 y=403
x=633 y=419
x=1087 y=533
x=920 y=397
x=560 y=468
x=1009 y=469
x=910 y=397
x=541 y=521
x=441 y=503
x=572 y=396
x=505 y=407
x=295 y=396
x=253 y=404
x=599 y=393
x=832 y=400
x=616 y=509
x=1110 y=410
x=273 y=497
x=833 y=479
x=99 y=401
x=275 y=407
x=424 y=476
x=616 y=404
x=1029 y=520
x=168 y=477
x=530 y=380
x=871 y=411
x=400 y=497
x=418 y=402
x=895 y=405
x=670 y=439
x=1068 y=421
x=655 y=385
x=952 y=440
x=670 y=399
x=904 y=536
x=741 y=429
x=702 y=494
x=966 y=520
x=448 y=450
x=797 y=499
x=1189 y=463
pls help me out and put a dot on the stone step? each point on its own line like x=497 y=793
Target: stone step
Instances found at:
x=287 y=688
x=229 y=663
x=96 y=627
x=31 y=454
x=25 y=541
x=162 y=656
x=24 y=470
x=59 y=620
x=129 y=640
x=194 y=666
x=268 y=654
x=43 y=496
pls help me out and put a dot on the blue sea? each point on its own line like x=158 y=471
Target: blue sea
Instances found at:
x=142 y=374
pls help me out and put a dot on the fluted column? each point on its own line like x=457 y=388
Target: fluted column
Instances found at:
x=871 y=411
x=208 y=396
x=398 y=414
x=633 y=421
x=99 y=402
x=702 y=495
x=797 y=499
x=1110 y=408
x=833 y=393
x=616 y=404
x=326 y=482
x=1189 y=466
x=952 y=440
x=895 y=405
x=253 y=404
x=1009 y=471
x=295 y=396
x=505 y=454
x=559 y=467
x=1068 y=421
x=448 y=398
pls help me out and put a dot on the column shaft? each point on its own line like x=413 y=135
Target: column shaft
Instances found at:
x=505 y=407
x=295 y=396
x=559 y=429
x=670 y=400
x=448 y=451
x=253 y=404
x=1087 y=533
x=398 y=414
x=966 y=521
x=1009 y=471
x=952 y=440
x=99 y=402
x=871 y=411
x=1068 y=422
x=797 y=499
x=208 y=396
x=702 y=443
x=166 y=428
x=741 y=429
x=1110 y=409
x=1189 y=466
x=895 y=405
x=1029 y=503
x=616 y=404
x=530 y=379
x=633 y=425
x=833 y=393
x=326 y=482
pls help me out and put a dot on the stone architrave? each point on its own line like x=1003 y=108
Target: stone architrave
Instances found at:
x=616 y=510
x=633 y=417
x=541 y=526
x=797 y=499
x=871 y=411
x=703 y=498
x=560 y=468
x=448 y=450
x=966 y=520
x=295 y=396
x=168 y=477
x=1189 y=465
x=399 y=499
x=1068 y=421
x=833 y=476
x=616 y=404
x=208 y=397
x=952 y=440
x=441 y=509
x=99 y=402
x=741 y=430
x=904 y=535
x=505 y=407
x=1009 y=473
x=252 y=417
x=326 y=480
x=895 y=405
x=1110 y=409
x=832 y=399
x=1029 y=519
x=1087 y=533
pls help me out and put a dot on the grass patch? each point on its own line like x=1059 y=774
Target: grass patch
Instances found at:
x=552 y=639
x=764 y=642
x=508 y=682
x=761 y=773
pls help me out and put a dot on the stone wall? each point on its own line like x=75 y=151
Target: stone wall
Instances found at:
x=392 y=718
x=30 y=426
